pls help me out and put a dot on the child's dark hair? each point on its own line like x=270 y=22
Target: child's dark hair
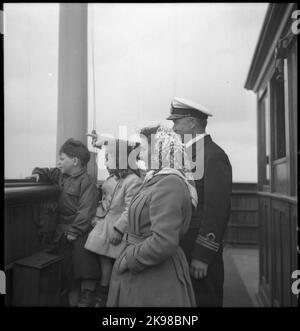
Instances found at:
x=123 y=173
x=75 y=148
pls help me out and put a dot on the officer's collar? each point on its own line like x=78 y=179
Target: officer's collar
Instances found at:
x=198 y=137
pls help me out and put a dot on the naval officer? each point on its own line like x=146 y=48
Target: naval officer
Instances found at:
x=203 y=242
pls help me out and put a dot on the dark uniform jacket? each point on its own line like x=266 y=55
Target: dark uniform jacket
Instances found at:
x=77 y=200
x=211 y=216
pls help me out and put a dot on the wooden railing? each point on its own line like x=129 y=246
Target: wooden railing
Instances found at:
x=31 y=216
x=278 y=216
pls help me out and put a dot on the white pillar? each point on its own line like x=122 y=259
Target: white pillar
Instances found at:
x=72 y=73
x=73 y=76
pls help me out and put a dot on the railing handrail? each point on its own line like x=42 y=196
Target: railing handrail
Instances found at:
x=17 y=190
x=23 y=182
x=14 y=194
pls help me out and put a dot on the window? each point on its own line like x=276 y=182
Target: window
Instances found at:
x=265 y=141
x=267 y=133
x=278 y=109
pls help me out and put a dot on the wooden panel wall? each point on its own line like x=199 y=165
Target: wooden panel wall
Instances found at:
x=278 y=250
x=243 y=223
x=264 y=250
x=25 y=228
x=293 y=243
x=30 y=214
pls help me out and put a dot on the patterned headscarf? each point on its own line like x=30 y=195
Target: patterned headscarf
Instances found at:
x=169 y=157
x=168 y=149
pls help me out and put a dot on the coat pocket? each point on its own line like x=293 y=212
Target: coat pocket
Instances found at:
x=72 y=191
x=71 y=198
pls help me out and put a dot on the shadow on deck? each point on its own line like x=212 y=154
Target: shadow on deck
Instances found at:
x=241 y=276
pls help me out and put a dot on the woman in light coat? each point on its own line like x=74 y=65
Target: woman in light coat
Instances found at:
x=152 y=270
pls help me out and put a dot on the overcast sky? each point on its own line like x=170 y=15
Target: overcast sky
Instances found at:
x=145 y=54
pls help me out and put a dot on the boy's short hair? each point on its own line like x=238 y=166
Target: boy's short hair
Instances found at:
x=75 y=148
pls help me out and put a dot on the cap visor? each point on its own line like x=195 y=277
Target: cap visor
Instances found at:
x=175 y=117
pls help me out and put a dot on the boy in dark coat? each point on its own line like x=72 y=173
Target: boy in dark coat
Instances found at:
x=77 y=206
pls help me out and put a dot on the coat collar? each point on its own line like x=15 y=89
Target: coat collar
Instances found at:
x=153 y=180
x=195 y=139
x=78 y=173
x=207 y=139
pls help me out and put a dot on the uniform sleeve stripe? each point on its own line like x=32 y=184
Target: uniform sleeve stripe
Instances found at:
x=201 y=242
x=207 y=246
x=209 y=242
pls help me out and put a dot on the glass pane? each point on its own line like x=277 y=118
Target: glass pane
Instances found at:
x=30 y=86
x=267 y=131
x=265 y=141
x=279 y=116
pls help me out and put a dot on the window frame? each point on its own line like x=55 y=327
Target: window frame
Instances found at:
x=274 y=110
x=264 y=98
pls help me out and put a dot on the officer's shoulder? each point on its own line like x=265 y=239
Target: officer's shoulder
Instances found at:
x=214 y=151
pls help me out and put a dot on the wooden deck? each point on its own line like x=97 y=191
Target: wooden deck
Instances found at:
x=241 y=276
